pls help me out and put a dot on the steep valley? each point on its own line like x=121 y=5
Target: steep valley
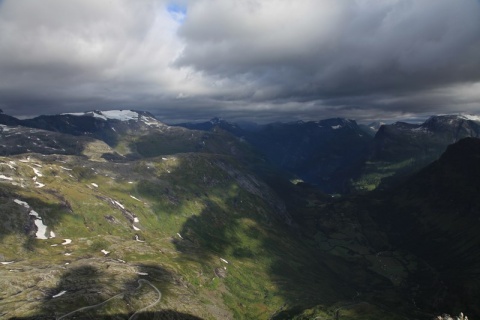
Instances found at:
x=157 y=222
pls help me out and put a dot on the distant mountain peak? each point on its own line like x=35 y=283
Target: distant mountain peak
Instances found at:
x=220 y=121
x=120 y=115
x=453 y=117
x=216 y=120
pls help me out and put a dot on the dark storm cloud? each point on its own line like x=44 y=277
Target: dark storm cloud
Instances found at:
x=334 y=48
x=241 y=59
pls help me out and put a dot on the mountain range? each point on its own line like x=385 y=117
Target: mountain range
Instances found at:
x=116 y=215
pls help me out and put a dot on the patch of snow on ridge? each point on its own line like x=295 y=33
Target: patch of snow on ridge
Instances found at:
x=5 y=178
x=122 y=115
x=336 y=127
x=470 y=117
x=74 y=114
x=150 y=121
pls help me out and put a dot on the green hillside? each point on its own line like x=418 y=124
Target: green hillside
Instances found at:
x=195 y=213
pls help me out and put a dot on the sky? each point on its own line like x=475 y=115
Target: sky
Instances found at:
x=260 y=60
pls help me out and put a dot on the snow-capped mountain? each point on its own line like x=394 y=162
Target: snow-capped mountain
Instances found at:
x=120 y=115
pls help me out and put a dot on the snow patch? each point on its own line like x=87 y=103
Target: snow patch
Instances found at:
x=122 y=115
x=223 y=260
x=37 y=172
x=470 y=117
x=52 y=234
x=135 y=199
x=336 y=127
x=135 y=219
x=39 y=185
x=138 y=239
x=5 y=178
x=7 y=262
x=68 y=254
x=66 y=241
x=9 y=165
x=119 y=204
x=66 y=168
x=59 y=294
x=41 y=227
x=5 y=128
x=22 y=203
x=179 y=235
x=142 y=273
x=94 y=184
x=135 y=228
x=105 y=252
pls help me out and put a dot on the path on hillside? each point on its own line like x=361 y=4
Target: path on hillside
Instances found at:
x=140 y=282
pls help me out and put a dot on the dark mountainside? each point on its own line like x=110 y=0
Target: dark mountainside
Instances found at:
x=435 y=215
x=401 y=148
x=130 y=217
x=325 y=153
x=339 y=156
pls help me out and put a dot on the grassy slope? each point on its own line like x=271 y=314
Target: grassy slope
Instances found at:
x=194 y=209
x=217 y=214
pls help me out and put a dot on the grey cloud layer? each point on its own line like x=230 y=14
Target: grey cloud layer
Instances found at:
x=271 y=58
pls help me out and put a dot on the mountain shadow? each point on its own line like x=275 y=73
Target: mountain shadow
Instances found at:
x=158 y=315
x=435 y=215
x=94 y=289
